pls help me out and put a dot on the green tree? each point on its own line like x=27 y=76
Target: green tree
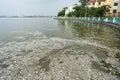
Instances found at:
x=83 y=2
x=77 y=11
x=99 y=12
x=61 y=13
x=71 y=14
x=104 y=9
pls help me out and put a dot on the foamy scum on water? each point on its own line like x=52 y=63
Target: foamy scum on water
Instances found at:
x=42 y=58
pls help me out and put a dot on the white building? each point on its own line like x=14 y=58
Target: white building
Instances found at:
x=69 y=9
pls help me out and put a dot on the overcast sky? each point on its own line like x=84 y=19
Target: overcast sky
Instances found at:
x=33 y=7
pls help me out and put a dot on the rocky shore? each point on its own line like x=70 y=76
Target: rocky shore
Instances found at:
x=58 y=59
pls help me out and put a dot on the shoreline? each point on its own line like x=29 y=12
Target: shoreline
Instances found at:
x=110 y=24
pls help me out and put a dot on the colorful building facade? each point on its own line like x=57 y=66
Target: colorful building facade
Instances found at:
x=96 y=3
x=115 y=4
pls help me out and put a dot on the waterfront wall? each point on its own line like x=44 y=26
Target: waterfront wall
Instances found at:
x=113 y=15
x=98 y=19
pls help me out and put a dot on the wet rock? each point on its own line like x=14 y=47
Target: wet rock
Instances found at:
x=118 y=56
x=24 y=52
x=61 y=62
x=76 y=58
x=110 y=69
x=4 y=59
x=44 y=63
x=3 y=66
x=54 y=59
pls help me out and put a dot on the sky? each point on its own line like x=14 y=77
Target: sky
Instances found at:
x=33 y=7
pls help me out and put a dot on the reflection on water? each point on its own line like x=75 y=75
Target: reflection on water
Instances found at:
x=93 y=32
x=48 y=49
x=97 y=33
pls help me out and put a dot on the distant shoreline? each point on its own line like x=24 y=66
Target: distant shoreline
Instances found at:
x=26 y=16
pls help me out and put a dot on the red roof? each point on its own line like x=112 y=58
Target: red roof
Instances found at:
x=97 y=0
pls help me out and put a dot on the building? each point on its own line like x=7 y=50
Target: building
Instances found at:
x=115 y=5
x=69 y=9
x=96 y=3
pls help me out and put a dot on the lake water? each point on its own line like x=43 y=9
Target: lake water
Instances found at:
x=49 y=49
